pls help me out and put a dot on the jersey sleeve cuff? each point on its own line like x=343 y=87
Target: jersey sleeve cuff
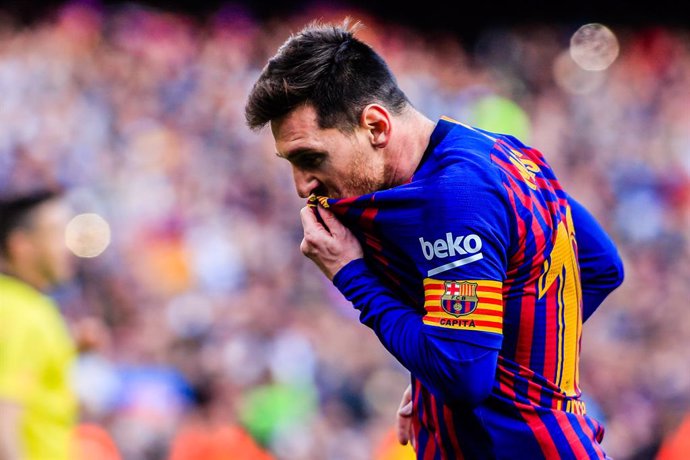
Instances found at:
x=349 y=273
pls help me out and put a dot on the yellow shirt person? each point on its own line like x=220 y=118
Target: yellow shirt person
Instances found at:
x=38 y=408
x=36 y=356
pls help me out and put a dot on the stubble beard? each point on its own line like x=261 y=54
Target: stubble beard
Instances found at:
x=364 y=179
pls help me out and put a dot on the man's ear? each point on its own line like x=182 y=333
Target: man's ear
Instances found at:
x=377 y=120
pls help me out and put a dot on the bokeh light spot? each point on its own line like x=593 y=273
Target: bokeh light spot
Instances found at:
x=594 y=47
x=87 y=235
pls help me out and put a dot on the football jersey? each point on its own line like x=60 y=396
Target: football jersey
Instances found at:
x=480 y=244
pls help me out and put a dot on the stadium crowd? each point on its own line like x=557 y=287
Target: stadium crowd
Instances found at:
x=212 y=317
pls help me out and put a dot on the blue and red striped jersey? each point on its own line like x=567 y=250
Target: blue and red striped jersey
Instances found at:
x=479 y=251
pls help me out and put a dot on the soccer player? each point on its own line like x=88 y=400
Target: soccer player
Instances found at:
x=38 y=406
x=459 y=247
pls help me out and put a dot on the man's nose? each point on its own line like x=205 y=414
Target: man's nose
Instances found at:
x=306 y=183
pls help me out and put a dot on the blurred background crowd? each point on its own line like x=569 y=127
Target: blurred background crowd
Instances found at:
x=209 y=316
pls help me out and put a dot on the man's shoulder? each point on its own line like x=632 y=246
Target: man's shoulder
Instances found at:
x=20 y=298
x=14 y=287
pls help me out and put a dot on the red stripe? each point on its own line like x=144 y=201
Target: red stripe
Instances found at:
x=430 y=451
x=437 y=423
x=544 y=183
x=497 y=314
x=541 y=433
x=373 y=243
x=430 y=297
x=346 y=202
x=490 y=324
x=491 y=301
x=535 y=155
x=416 y=425
x=367 y=218
x=450 y=424
x=381 y=259
x=523 y=351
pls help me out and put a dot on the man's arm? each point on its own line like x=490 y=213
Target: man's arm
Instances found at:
x=453 y=370
x=10 y=442
x=601 y=268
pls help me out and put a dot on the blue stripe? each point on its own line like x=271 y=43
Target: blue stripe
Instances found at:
x=565 y=450
x=585 y=440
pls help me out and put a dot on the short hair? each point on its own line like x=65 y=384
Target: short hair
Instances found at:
x=325 y=66
x=15 y=211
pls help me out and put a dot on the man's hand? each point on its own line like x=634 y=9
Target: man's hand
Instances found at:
x=405 y=418
x=330 y=245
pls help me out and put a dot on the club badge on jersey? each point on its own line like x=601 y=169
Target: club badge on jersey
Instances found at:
x=460 y=298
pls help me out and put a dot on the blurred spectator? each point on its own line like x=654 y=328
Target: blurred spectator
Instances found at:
x=38 y=405
x=211 y=432
x=676 y=444
x=94 y=442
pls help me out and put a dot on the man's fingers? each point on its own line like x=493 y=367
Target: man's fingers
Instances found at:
x=327 y=215
x=404 y=419
x=404 y=425
x=406 y=410
x=334 y=226
x=330 y=248
x=310 y=223
x=308 y=216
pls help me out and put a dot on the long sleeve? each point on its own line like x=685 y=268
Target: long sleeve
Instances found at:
x=453 y=370
x=601 y=268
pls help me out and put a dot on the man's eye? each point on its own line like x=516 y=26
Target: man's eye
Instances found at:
x=311 y=161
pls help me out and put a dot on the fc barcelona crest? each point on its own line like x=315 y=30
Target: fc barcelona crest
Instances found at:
x=459 y=298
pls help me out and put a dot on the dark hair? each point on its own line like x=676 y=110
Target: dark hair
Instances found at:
x=323 y=65
x=15 y=212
